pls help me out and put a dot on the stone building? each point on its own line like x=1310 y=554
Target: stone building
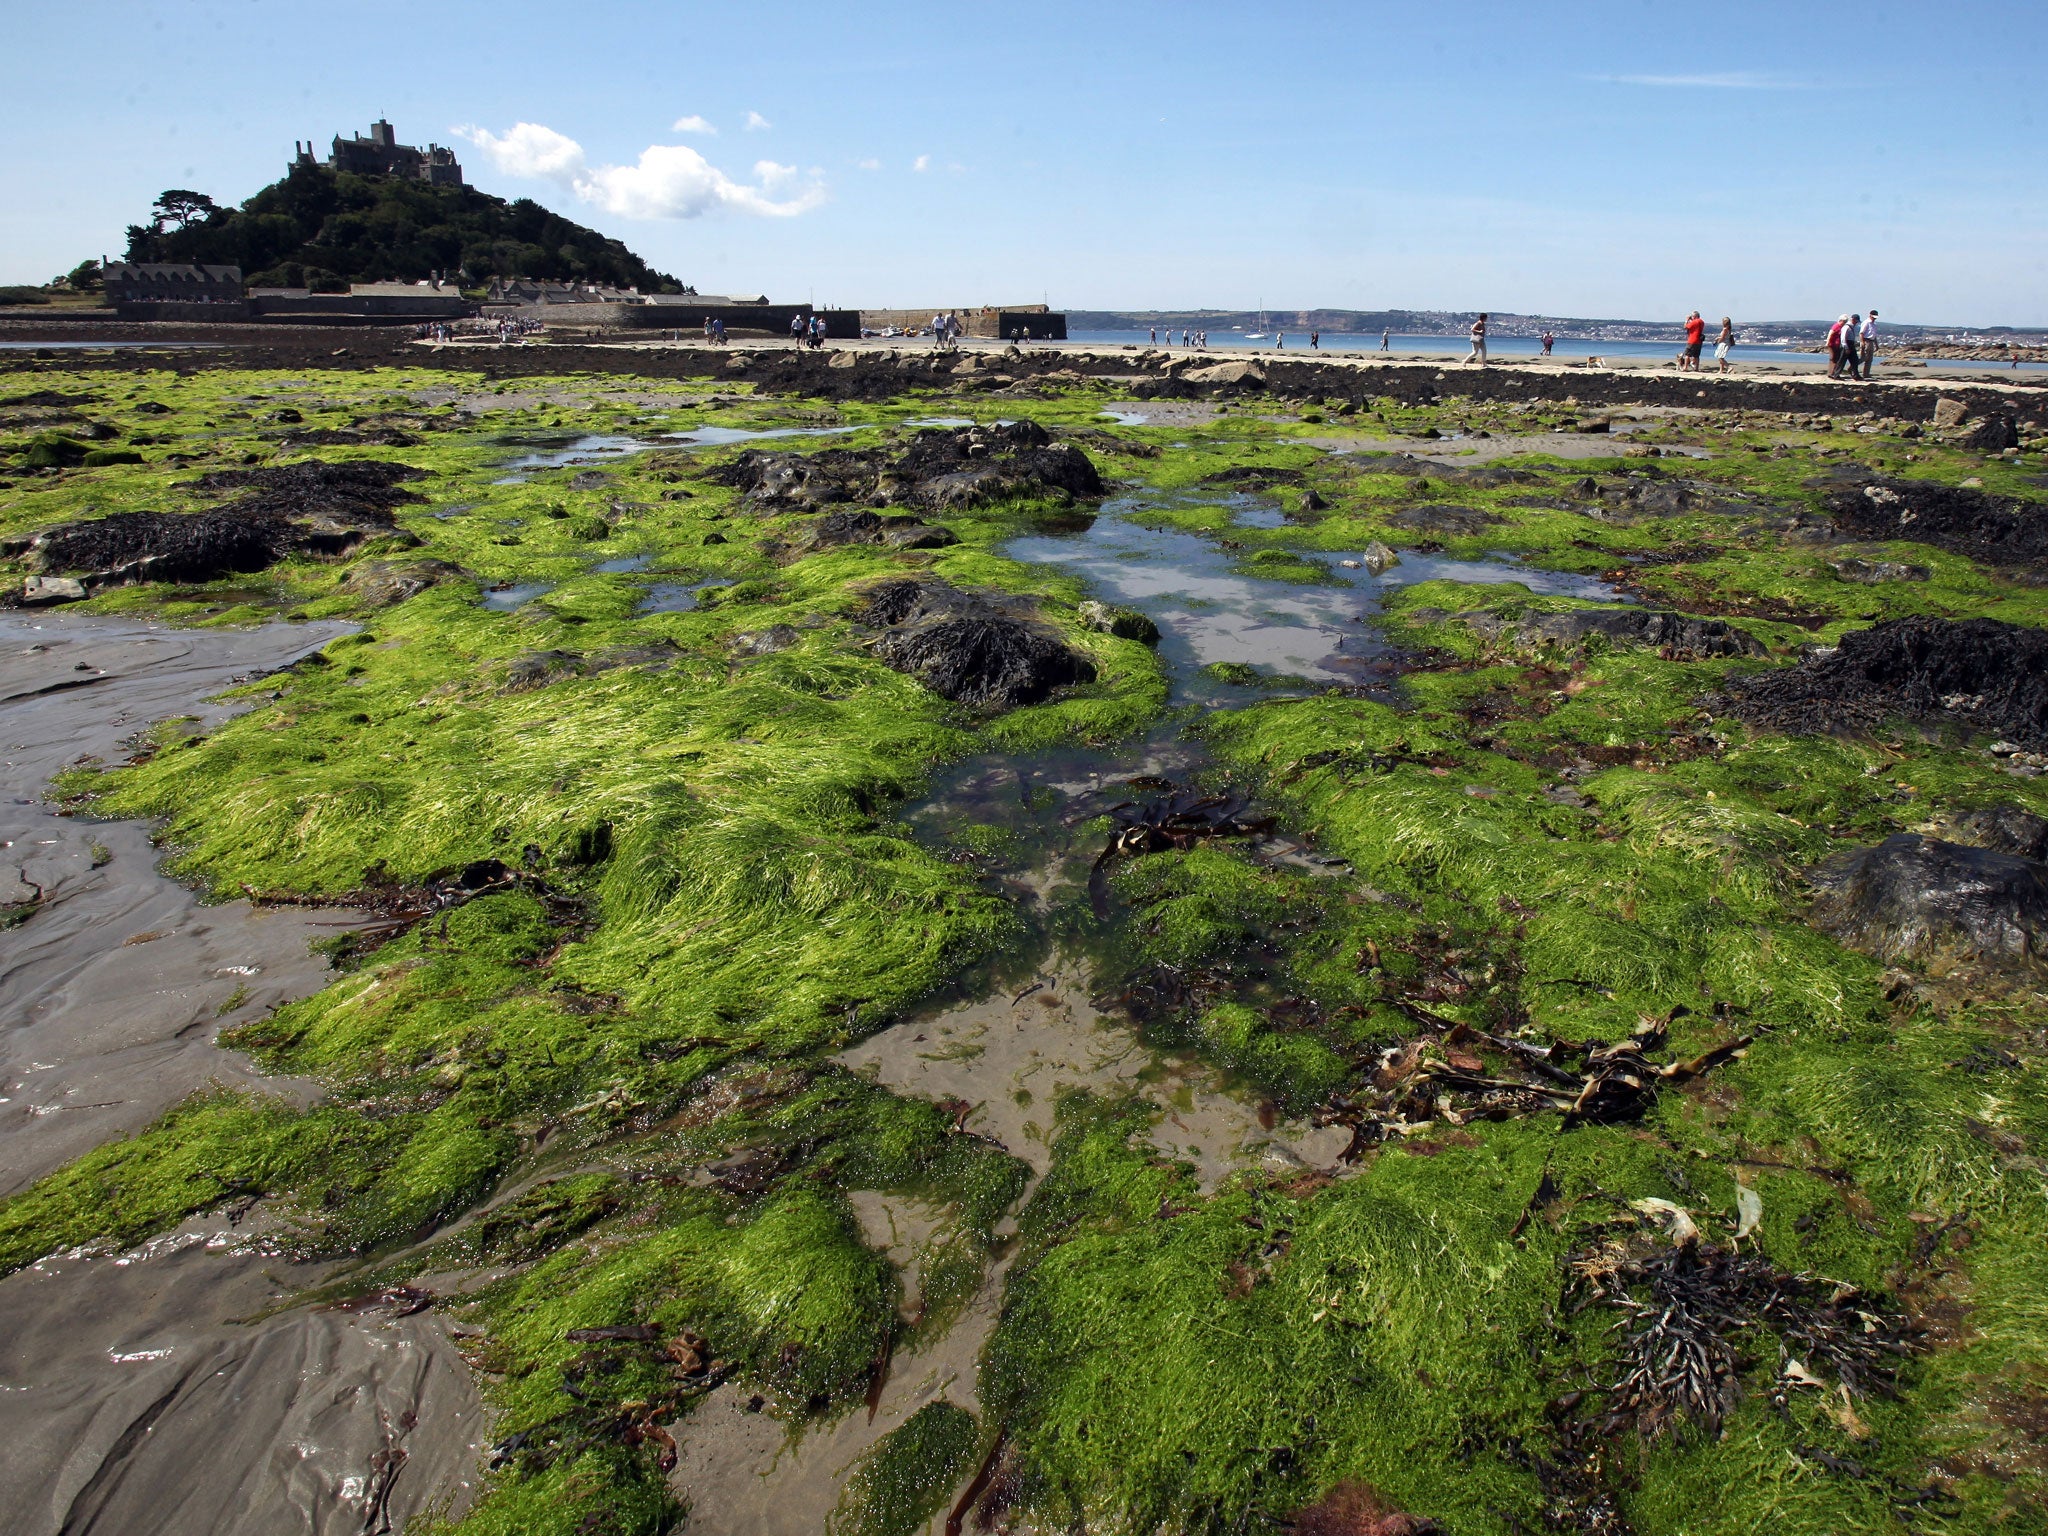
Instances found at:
x=382 y=155
x=171 y=282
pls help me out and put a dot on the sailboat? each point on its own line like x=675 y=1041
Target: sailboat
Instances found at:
x=1260 y=334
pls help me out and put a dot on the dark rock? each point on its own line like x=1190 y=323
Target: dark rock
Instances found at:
x=354 y=488
x=590 y=480
x=49 y=398
x=287 y=416
x=1919 y=897
x=1445 y=522
x=1311 y=502
x=939 y=471
x=1995 y=529
x=1993 y=434
x=353 y=437
x=323 y=510
x=2002 y=829
x=1982 y=674
x=971 y=647
x=859 y=526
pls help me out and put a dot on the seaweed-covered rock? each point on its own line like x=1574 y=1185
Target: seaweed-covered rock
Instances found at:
x=1993 y=434
x=1682 y=636
x=1255 y=477
x=763 y=642
x=1997 y=530
x=1445 y=522
x=1124 y=623
x=1984 y=674
x=382 y=583
x=972 y=466
x=971 y=647
x=52 y=450
x=357 y=488
x=1914 y=896
x=939 y=471
x=850 y=525
x=323 y=510
x=536 y=669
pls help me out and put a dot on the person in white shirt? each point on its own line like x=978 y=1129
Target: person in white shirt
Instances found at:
x=1870 y=344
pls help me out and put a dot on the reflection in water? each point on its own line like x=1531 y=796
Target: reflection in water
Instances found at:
x=1209 y=610
x=603 y=447
x=506 y=599
x=676 y=597
x=623 y=564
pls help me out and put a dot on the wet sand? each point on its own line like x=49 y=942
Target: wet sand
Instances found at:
x=132 y=1401
x=132 y=1396
x=112 y=991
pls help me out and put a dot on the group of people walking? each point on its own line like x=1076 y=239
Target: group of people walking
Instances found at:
x=807 y=331
x=1188 y=338
x=1852 y=346
x=947 y=331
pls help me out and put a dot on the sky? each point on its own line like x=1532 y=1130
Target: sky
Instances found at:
x=1770 y=161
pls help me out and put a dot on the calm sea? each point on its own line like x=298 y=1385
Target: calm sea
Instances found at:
x=1454 y=347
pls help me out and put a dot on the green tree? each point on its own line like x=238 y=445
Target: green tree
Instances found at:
x=182 y=208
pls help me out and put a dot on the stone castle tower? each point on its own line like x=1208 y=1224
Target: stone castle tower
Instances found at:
x=382 y=155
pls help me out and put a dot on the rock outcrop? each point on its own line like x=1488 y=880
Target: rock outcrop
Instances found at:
x=978 y=648
x=939 y=471
x=1914 y=897
x=1982 y=674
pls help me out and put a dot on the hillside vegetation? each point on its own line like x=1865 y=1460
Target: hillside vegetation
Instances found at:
x=321 y=228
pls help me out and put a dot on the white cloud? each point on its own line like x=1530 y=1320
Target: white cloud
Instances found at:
x=669 y=181
x=528 y=150
x=869 y=165
x=673 y=181
x=921 y=163
x=1733 y=80
x=756 y=122
x=692 y=124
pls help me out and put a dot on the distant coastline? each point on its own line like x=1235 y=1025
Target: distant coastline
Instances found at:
x=1990 y=340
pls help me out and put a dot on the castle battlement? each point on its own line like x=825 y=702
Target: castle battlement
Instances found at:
x=381 y=154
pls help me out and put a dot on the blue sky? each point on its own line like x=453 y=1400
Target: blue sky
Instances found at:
x=1635 y=160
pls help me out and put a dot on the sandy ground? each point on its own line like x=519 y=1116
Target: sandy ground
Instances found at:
x=112 y=992
x=131 y=1397
x=1009 y=1056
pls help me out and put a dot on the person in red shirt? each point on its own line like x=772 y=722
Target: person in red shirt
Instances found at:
x=1695 y=339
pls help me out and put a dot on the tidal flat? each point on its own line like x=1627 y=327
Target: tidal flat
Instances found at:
x=1339 y=950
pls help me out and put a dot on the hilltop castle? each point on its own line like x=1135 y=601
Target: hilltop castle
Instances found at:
x=382 y=155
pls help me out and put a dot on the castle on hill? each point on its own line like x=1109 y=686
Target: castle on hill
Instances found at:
x=382 y=155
